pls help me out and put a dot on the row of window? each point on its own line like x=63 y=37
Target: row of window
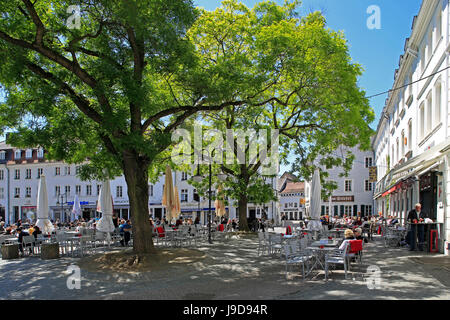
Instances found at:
x=350 y=210
x=291 y=205
x=40 y=171
x=18 y=154
x=67 y=190
x=67 y=172
x=348 y=185
x=429 y=116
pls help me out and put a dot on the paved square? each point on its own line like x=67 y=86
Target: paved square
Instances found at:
x=232 y=270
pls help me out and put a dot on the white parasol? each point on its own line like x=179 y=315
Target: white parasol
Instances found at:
x=316 y=190
x=76 y=210
x=105 y=224
x=43 y=222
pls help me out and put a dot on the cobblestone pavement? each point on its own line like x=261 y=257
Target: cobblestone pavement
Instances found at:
x=231 y=270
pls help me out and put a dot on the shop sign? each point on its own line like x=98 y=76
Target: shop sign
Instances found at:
x=373 y=174
x=343 y=198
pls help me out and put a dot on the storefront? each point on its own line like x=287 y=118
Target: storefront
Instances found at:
x=422 y=179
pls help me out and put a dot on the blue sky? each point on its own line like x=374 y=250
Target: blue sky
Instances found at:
x=378 y=51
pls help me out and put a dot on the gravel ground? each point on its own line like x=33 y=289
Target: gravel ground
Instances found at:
x=232 y=270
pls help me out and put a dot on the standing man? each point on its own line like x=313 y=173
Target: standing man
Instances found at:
x=124 y=230
x=417 y=231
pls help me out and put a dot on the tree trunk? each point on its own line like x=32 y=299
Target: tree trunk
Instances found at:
x=136 y=175
x=243 y=224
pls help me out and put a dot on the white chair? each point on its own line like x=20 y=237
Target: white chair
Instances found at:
x=338 y=256
x=61 y=238
x=276 y=244
x=294 y=258
x=193 y=234
x=262 y=243
x=182 y=236
x=28 y=242
x=99 y=237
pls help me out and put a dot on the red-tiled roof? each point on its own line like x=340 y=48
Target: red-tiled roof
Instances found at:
x=294 y=187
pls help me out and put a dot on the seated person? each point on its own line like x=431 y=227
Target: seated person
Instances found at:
x=20 y=235
x=348 y=234
x=82 y=227
x=393 y=221
x=36 y=231
x=358 y=235
x=358 y=222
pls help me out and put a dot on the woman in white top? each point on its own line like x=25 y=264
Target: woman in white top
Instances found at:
x=349 y=235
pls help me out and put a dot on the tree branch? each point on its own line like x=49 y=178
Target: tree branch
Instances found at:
x=81 y=102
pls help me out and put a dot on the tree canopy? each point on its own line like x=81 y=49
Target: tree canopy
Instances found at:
x=111 y=93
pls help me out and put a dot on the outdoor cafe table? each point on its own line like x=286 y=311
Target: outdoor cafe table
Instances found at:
x=329 y=243
x=171 y=234
x=319 y=252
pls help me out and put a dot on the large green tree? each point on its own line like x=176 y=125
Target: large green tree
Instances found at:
x=313 y=98
x=113 y=90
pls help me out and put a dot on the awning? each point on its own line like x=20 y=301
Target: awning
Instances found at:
x=420 y=162
x=412 y=167
x=393 y=189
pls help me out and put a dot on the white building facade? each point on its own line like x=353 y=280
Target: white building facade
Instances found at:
x=354 y=193
x=412 y=145
x=292 y=201
x=20 y=171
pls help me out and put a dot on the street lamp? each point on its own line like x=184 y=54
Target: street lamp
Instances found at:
x=199 y=178
x=62 y=202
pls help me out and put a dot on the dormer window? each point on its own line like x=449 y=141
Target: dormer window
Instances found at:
x=18 y=154
x=29 y=154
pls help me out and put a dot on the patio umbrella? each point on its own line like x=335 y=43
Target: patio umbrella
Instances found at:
x=76 y=210
x=177 y=210
x=219 y=204
x=316 y=190
x=105 y=224
x=168 y=199
x=43 y=222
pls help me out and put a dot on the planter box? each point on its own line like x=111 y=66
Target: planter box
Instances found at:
x=10 y=251
x=49 y=251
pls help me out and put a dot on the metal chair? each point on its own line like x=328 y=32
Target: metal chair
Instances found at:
x=338 y=257
x=294 y=257
x=61 y=238
x=276 y=243
x=28 y=242
x=391 y=237
x=262 y=243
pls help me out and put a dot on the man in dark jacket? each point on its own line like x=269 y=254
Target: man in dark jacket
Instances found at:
x=20 y=235
x=417 y=231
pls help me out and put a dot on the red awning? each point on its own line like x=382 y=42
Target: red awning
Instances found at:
x=394 y=188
